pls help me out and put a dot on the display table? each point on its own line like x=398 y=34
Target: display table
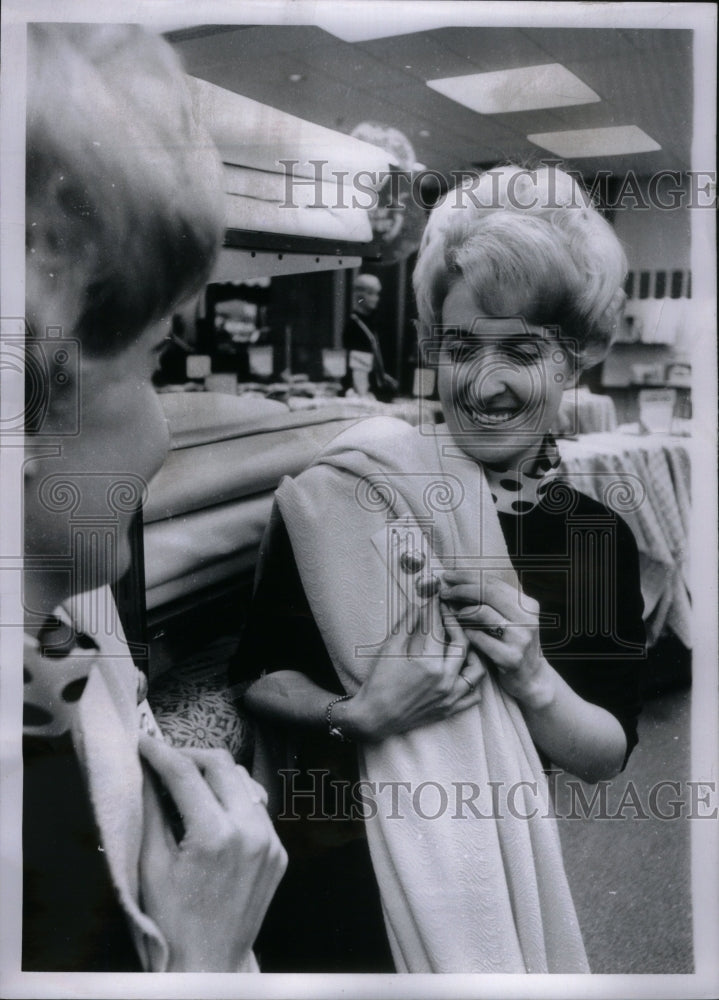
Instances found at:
x=645 y=479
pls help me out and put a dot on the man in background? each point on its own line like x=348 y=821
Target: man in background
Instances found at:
x=365 y=368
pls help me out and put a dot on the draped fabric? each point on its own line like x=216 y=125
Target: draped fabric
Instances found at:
x=462 y=891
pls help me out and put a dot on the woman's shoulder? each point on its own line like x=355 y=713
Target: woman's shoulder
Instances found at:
x=373 y=431
x=384 y=441
x=562 y=498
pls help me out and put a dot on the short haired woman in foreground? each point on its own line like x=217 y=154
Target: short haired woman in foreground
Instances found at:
x=124 y=218
x=441 y=599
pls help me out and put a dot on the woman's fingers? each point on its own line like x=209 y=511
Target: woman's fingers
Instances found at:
x=456 y=651
x=158 y=832
x=483 y=618
x=506 y=598
x=182 y=781
x=227 y=779
x=473 y=671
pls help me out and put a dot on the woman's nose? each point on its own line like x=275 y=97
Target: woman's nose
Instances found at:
x=487 y=375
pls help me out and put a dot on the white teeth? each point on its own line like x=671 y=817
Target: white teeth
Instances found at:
x=494 y=417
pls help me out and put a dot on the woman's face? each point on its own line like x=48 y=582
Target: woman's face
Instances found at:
x=82 y=489
x=500 y=381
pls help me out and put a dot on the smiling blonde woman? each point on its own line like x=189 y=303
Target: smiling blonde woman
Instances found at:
x=442 y=599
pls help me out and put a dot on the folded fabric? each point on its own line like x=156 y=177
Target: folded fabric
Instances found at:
x=192 y=479
x=197 y=417
x=183 y=544
x=316 y=221
x=468 y=894
x=235 y=568
x=252 y=134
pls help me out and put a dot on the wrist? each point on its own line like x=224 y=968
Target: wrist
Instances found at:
x=352 y=718
x=540 y=691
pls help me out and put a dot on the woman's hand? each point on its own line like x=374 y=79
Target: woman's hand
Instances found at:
x=433 y=680
x=502 y=625
x=209 y=892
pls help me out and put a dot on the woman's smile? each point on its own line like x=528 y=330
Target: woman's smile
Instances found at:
x=494 y=412
x=499 y=398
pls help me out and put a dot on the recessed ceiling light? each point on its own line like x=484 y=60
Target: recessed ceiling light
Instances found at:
x=424 y=133
x=295 y=77
x=525 y=89
x=596 y=141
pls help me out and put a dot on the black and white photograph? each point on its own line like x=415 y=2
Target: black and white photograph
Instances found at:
x=358 y=451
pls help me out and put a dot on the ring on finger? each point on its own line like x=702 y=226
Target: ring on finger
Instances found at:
x=469 y=684
x=496 y=631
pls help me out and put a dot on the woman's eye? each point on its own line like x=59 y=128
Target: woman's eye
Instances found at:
x=527 y=355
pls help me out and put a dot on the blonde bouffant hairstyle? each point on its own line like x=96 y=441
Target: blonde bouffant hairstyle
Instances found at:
x=529 y=243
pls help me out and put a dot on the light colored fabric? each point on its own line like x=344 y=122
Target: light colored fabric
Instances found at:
x=246 y=460
x=198 y=417
x=184 y=544
x=256 y=135
x=474 y=894
x=203 y=576
x=645 y=479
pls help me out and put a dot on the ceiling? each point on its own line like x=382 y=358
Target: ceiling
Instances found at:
x=643 y=77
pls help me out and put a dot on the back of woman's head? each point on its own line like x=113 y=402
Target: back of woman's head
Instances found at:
x=124 y=195
x=529 y=243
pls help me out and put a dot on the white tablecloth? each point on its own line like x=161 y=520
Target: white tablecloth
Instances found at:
x=646 y=479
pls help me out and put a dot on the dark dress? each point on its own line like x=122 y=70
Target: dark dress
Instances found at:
x=581 y=565
x=72 y=920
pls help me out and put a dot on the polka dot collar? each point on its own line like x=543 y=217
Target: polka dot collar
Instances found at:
x=519 y=491
x=56 y=666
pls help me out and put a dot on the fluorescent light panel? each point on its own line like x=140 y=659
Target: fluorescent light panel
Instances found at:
x=596 y=141
x=528 y=88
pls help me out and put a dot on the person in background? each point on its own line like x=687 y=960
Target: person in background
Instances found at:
x=136 y=856
x=365 y=368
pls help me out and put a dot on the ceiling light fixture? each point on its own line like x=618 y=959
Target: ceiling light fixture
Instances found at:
x=527 y=88
x=613 y=141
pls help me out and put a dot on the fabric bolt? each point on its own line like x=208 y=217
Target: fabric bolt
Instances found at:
x=182 y=544
x=203 y=576
x=316 y=221
x=485 y=896
x=646 y=479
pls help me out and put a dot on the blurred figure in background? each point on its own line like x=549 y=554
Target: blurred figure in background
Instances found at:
x=365 y=368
